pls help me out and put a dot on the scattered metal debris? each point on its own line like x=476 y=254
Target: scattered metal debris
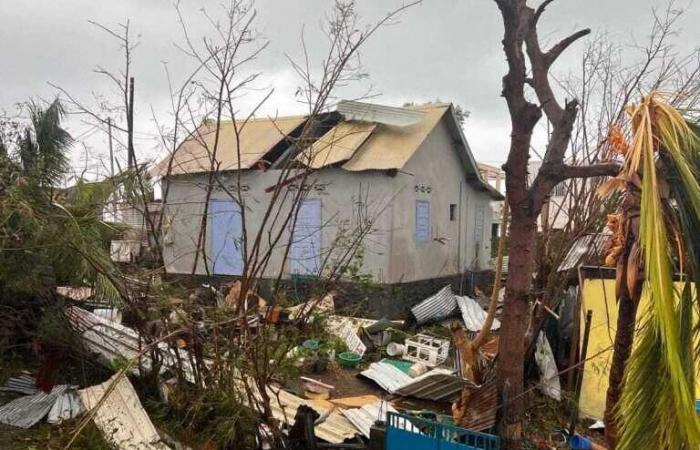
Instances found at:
x=437 y=384
x=480 y=412
x=120 y=416
x=364 y=417
x=334 y=429
x=23 y=384
x=473 y=314
x=26 y=411
x=112 y=341
x=67 y=406
x=441 y=305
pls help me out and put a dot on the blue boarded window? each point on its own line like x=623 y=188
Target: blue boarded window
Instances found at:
x=305 y=251
x=422 y=221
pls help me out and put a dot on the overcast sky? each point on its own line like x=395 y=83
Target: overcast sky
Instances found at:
x=446 y=49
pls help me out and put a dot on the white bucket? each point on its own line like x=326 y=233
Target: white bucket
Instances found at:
x=417 y=370
x=394 y=349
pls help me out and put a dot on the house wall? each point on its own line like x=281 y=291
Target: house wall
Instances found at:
x=436 y=173
x=390 y=254
x=346 y=197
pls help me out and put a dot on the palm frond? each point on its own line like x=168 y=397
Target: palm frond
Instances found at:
x=670 y=421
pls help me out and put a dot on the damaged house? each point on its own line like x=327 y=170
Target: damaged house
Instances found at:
x=407 y=171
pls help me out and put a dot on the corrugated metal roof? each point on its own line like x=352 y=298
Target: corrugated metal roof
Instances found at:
x=371 y=112
x=587 y=249
x=441 y=305
x=256 y=138
x=338 y=144
x=390 y=147
x=26 y=411
x=437 y=384
x=120 y=417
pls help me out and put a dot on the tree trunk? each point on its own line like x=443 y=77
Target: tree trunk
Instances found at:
x=515 y=320
x=624 y=336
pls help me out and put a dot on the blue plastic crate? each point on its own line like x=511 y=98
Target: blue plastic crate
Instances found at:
x=404 y=432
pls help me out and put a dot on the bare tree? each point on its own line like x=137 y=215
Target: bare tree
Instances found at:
x=528 y=69
x=575 y=155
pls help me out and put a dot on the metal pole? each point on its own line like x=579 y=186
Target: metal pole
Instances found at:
x=111 y=150
x=130 y=125
x=579 y=378
x=111 y=167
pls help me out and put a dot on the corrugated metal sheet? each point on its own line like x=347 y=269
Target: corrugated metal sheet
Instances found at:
x=26 y=411
x=335 y=429
x=437 y=384
x=389 y=377
x=390 y=147
x=257 y=137
x=108 y=339
x=111 y=340
x=339 y=144
x=364 y=417
x=23 y=384
x=473 y=314
x=588 y=249
x=480 y=413
x=441 y=305
x=387 y=115
x=120 y=417
x=67 y=406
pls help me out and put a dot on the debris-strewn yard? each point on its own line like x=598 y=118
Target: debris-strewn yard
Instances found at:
x=334 y=374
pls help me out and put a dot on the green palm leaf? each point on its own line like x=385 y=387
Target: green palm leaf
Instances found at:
x=658 y=405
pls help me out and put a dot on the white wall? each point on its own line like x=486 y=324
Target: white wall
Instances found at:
x=436 y=166
x=345 y=198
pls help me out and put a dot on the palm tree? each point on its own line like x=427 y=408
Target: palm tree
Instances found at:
x=43 y=147
x=651 y=398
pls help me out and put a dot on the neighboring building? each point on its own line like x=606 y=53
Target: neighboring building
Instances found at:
x=496 y=178
x=133 y=241
x=408 y=170
x=555 y=211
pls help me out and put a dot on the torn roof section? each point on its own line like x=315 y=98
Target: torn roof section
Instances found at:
x=356 y=137
x=255 y=138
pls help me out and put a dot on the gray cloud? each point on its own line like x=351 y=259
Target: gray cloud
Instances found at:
x=447 y=49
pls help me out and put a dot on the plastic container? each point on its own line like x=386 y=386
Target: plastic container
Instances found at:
x=394 y=349
x=349 y=359
x=311 y=344
x=579 y=443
